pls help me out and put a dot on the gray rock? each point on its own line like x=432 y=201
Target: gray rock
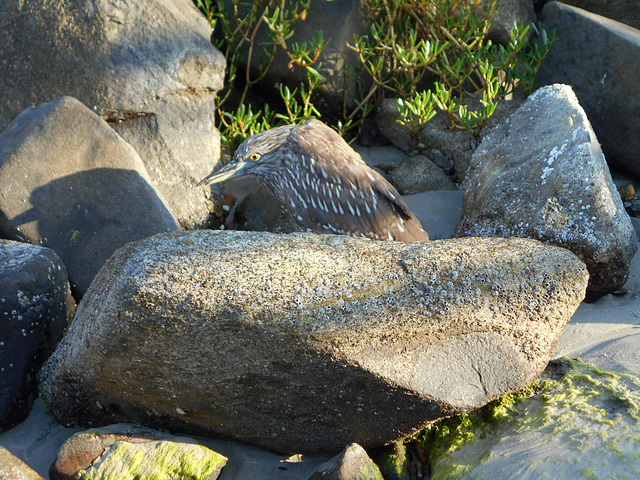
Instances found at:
x=352 y=463
x=98 y=452
x=338 y=21
x=624 y=11
x=35 y=303
x=383 y=159
x=178 y=145
x=542 y=175
x=510 y=14
x=603 y=74
x=69 y=182
x=12 y=468
x=303 y=342
x=454 y=144
x=147 y=56
x=417 y=173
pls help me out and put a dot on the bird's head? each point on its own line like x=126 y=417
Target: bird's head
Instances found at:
x=259 y=155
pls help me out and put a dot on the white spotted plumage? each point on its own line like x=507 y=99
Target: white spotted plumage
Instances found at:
x=327 y=185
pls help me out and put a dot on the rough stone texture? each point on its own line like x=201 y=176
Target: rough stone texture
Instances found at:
x=12 y=468
x=69 y=182
x=510 y=13
x=35 y=302
x=146 y=56
x=542 y=175
x=624 y=11
x=418 y=173
x=95 y=452
x=352 y=463
x=603 y=74
x=303 y=342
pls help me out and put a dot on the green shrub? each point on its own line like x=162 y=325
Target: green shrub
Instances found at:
x=430 y=54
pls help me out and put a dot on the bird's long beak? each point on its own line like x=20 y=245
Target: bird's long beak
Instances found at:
x=228 y=171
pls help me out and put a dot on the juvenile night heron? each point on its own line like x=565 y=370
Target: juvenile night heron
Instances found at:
x=324 y=183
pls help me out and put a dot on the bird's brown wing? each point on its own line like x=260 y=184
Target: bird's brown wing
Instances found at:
x=345 y=195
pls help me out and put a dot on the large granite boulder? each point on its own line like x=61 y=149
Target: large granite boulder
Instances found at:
x=305 y=343
x=147 y=65
x=69 y=182
x=603 y=74
x=542 y=174
x=35 y=302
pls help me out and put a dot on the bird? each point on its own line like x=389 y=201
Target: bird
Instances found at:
x=324 y=184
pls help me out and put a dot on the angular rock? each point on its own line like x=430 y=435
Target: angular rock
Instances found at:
x=624 y=11
x=418 y=173
x=115 y=452
x=542 y=175
x=121 y=59
x=69 y=182
x=511 y=13
x=603 y=74
x=305 y=343
x=352 y=463
x=35 y=303
x=12 y=468
x=456 y=145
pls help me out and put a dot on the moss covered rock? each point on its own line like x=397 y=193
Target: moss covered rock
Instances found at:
x=583 y=425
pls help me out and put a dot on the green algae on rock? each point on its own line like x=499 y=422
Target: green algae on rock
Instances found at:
x=585 y=424
x=156 y=460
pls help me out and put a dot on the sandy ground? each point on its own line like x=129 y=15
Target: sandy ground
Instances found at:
x=605 y=333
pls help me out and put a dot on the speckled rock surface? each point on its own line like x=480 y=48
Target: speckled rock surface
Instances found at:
x=34 y=304
x=542 y=174
x=69 y=182
x=303 y=343
x=12 y=468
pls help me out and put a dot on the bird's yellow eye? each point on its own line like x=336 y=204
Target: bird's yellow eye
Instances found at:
x=255 y=156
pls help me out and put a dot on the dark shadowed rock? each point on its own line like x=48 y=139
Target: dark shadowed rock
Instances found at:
x=35 y=302
x=603 y=74
x=511 y=13
x=121 y=59
x=111 y=452
x=417 y=173
x=303 y=342
x=624 y=11
x=338 y=21
x=69 y=182
x=542 y=174
x=352 y=463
